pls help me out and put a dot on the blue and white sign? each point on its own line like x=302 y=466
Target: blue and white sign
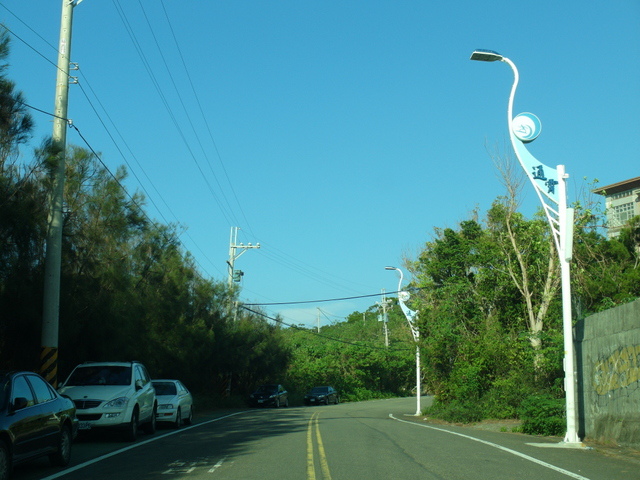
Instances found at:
x=526 y=127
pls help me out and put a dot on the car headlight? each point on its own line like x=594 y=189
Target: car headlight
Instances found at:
x=165 y=406
x=117 y=403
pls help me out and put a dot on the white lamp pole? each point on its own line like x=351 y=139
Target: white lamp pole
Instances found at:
x=525 y=128
x=403 y=296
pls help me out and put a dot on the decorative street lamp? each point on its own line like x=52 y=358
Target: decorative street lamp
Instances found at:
x=403 y=296
x=550 y=186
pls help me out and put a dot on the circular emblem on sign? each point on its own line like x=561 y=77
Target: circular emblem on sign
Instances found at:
x=526 y=127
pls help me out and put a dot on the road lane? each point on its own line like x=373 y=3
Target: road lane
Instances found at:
x=371 y=440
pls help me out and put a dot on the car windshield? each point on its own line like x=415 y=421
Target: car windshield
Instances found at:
x=165 y=388
x=100 y=375
x=267 y=389
x=320 y=390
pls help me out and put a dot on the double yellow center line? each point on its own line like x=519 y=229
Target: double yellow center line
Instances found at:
x=311 y=467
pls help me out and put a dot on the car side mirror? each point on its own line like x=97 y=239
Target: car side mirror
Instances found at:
x=19 y=403
x=139 y=385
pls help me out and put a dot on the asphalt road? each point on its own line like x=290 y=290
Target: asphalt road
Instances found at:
x=367 y=440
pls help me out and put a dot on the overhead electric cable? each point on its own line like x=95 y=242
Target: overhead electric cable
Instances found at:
x=26 y=25
x=109 y=134
x=126 y=191
x=184 y=108
x=122 y=187
x=27 y=44
x=122 y=155
x=163 y=98
x=316 y=301
x=204 y=117
x=317 y=334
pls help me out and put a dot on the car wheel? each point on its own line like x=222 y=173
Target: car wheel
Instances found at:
x=62 y=456
x=189 y=419
x=277 y=403
x=5 y=461
x=150 y=426
x=132 y=431
x=286 y=403
x=178 y=421
x=337 y=399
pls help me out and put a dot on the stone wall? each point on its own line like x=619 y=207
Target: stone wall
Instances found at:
x=608 y=366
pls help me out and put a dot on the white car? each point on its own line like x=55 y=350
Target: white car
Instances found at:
x=175 y=403
x=113 y=395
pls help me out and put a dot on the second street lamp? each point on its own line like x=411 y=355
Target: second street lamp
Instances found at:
x=403 y=296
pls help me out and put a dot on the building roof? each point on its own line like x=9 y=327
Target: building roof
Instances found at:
x=618 y=187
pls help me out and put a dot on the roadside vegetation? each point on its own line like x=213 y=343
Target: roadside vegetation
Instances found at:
x=487 y=293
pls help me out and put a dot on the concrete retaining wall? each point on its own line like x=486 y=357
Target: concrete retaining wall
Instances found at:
x=608 y=364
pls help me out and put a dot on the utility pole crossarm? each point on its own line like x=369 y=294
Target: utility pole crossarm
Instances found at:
x=233 y=254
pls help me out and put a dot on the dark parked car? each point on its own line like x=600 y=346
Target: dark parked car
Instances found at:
x=319 y=395
x=269 y=396
x=34 y=421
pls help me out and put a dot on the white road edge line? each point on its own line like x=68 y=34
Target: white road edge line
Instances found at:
x=136 y=445
x=217 y=465
x=500 y=447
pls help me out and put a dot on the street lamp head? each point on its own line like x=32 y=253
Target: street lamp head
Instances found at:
x=483 y=55
x=390 y=268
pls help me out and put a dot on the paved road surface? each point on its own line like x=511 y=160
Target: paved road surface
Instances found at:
x=351 y=441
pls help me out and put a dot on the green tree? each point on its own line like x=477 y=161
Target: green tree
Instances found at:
x=22 y=220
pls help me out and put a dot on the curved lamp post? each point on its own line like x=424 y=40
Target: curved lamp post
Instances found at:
x=403 y=296
x=525 y=128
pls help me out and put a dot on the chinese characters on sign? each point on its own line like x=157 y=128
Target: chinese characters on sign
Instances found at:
x=538 y=174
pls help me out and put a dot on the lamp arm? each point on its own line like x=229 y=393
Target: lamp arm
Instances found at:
x=516 y=79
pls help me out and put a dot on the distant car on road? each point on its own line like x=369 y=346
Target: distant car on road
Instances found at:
x=318 y=395
x=116 y=395
x=34 y=421
x=271 y=395
x=175 y=403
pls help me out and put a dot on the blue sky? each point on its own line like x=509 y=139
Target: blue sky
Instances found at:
x=336 y=134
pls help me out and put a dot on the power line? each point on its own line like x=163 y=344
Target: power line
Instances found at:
x=169 y=110
x=204 y=117
x=36 y=33
x=122 y=187
x=269 y=252
x=42 y=111
x=327 y=300
x=131 y=169
x=317 y=334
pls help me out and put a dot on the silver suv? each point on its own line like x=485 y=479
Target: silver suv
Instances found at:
x=113 y=395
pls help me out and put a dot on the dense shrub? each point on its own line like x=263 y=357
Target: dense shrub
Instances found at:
x=543 y=415
x=455 y=411
x=504 y=399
